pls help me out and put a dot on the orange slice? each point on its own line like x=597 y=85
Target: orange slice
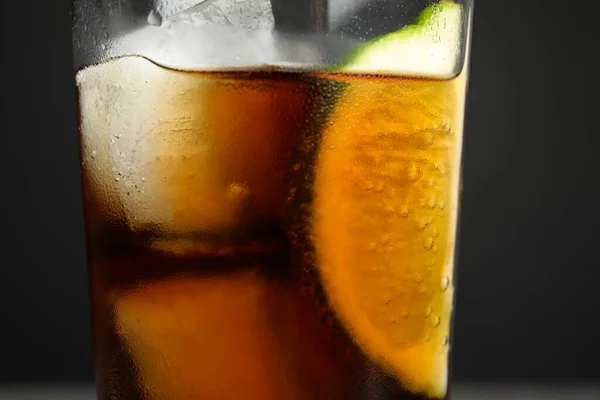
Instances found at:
x=384 y=218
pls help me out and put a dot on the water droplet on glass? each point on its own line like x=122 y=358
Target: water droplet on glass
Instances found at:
x=445 y=341
x=445 y=283
x=435 y=321
x=429 y=138
x=429 y=242
x=93 y=153
x=404 y=211
x=238 y=192
x=424 y=223
x=154 y=18
x=432 y=202
x=413 y=171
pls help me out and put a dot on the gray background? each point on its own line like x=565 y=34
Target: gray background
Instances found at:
x=529 y=272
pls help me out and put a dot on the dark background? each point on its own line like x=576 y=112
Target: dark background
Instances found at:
x=529 y=298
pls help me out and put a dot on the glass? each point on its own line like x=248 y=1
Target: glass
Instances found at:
x=271 y=193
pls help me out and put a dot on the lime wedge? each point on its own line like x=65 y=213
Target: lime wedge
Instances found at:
x=429 y=47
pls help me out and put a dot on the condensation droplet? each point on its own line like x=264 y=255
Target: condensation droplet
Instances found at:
x=424 y=223
x=432 y=202
x=413 y=171
x=154 y=18
x=404 y=211
x=445 y=341
x=445 y=283
x=237 y=192
x=429 y=242
x=429 y=138
x=435 y=321
x=93 y=153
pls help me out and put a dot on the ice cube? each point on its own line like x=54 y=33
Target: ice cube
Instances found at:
x=243 y=14
x=168 y=8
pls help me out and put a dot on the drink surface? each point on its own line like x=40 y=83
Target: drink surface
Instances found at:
x=269 y=234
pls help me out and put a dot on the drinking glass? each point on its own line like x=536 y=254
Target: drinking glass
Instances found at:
x=271 y=194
